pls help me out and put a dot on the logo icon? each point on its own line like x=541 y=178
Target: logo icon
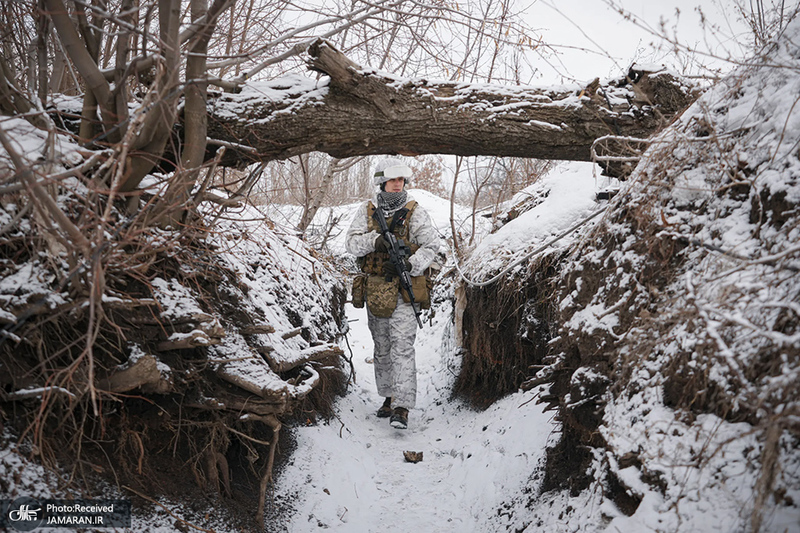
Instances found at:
x=25 y=514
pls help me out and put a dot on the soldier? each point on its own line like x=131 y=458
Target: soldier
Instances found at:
x=390 y=315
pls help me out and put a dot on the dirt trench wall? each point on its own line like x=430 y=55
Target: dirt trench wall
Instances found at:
x=647 y=314
x=537 y=330
x=203 y=360
x=505 y=330
x=612 y=283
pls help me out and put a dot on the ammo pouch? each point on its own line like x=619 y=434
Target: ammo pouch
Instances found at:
x=382 y=295
x=421 y=285
x=359 y=290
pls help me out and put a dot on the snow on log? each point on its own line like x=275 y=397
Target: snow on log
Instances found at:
x=141 y=371
x=257 y=379
x=256 y=329
x=288 y=361
x=311 y=380
x=238 y=365
x=37 y=392
x=294 y=332
x=184 y=341
x=356 y=111
x=7 y=317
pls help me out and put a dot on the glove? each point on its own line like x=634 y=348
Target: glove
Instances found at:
x=388 y=268
x=381 y=245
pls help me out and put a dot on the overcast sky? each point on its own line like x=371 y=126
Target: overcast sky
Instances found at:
x=595 y=40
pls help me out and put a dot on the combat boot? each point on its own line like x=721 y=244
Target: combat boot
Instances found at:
x=399 y=418
x=385 y=410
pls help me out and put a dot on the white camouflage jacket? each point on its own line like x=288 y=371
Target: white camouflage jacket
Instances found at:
x=360 y=241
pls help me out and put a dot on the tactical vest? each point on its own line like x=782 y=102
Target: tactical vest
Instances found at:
x=380 y=294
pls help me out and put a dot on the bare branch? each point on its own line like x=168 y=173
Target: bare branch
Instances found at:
x=43 y=200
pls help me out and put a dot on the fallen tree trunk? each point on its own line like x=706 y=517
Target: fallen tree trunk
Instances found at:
x=355 y=112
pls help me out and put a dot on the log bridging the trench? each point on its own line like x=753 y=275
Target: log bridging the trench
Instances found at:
x=352 y=111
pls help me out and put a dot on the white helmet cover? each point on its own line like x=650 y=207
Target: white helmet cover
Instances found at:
x=389 y=169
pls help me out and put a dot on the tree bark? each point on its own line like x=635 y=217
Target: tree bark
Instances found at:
x=144 y=372
x=121 y=54
x=12 y=99
x=42 y=30
x=196 y=93
x=84 y=57
x=358 y=111
x=152 y=139
x=176 y=199
x=315 y=353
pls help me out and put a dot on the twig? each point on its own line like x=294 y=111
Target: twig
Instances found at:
x=248 y=437
x=350 y=359
x=80 y=169
x=47 y=203
x=26 y=394
x=209 y=175
x=712 y=329
x=768 y=260
x=13 y=222
x=233 y=146
x=273 y=422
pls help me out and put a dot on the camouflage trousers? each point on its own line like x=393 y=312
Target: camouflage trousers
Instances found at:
x=394 y=356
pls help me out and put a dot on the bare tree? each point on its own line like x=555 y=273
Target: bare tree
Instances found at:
x=480 y=174
x=314 y=200
x=428 y=172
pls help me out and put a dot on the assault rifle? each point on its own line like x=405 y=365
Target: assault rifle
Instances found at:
x=397 y=252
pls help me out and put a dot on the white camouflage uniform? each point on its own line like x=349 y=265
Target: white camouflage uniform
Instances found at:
x=394 y=355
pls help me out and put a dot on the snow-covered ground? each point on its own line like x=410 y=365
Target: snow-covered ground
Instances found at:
x=351 y=475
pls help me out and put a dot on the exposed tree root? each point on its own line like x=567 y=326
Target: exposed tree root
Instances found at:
x=266 y=478
x=505 y=330
x=118 y=381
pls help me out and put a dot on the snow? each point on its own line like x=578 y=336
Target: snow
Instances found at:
x=286 y=94
x=38 y=392
x=33 y=145
x=175 y=300
x=544 y=125
x=564 y=196
x=350 y=474
x=482 y=470
x=27 y=283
